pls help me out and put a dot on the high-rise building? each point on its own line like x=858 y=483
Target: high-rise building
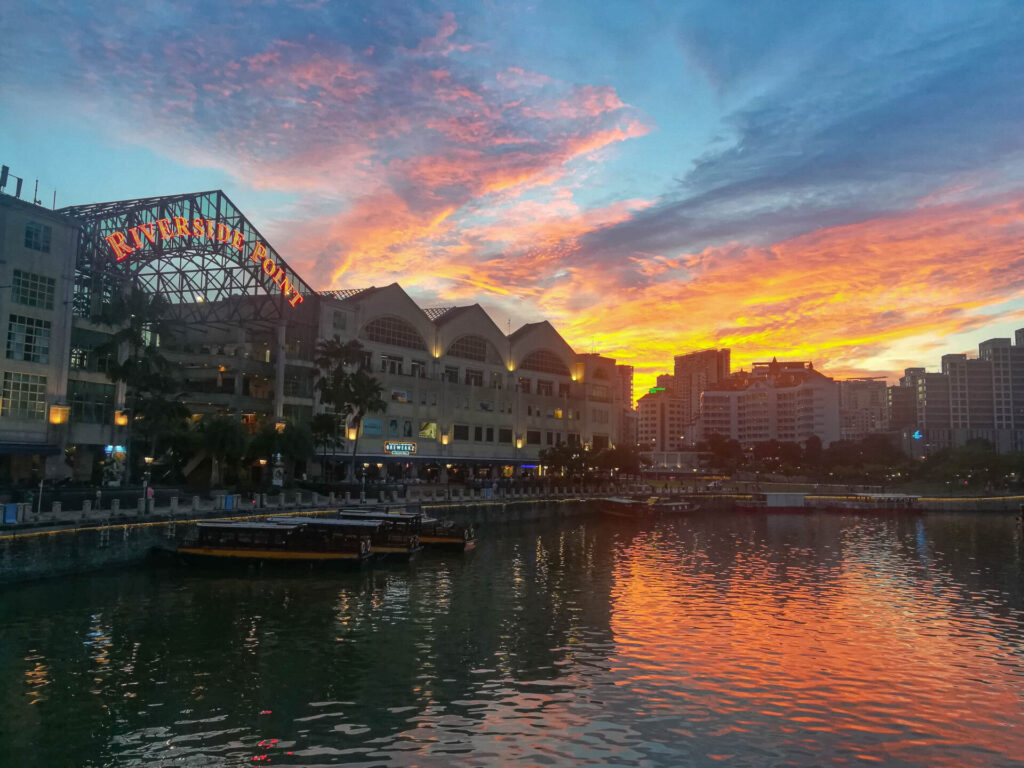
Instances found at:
x=787 y=401
x=694 y=372
x=862 y=408
x=627 y=411
x=661 y=422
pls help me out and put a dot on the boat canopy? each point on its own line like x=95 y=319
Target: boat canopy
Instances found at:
x=254 y=526
x=367 y=524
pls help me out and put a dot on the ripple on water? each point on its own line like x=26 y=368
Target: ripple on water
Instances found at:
x=740 y=641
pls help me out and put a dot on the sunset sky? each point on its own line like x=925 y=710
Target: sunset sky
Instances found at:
x=833 y=181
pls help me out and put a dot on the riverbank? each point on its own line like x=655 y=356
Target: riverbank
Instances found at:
x=64 y=543
x=31 y=553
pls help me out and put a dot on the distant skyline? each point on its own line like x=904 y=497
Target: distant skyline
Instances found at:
x=825 y=181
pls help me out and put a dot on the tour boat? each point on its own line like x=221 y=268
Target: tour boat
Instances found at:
x=287 y=540
x=653 y=505
x=386 y=541
x=433 y=533
x=867 y=502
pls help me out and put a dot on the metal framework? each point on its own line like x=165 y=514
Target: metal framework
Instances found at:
x=205 y=280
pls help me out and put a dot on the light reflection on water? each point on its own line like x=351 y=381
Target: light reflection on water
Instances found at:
x=746 y=641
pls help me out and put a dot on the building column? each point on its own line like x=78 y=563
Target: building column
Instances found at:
x=279 y=361
x=239 y=377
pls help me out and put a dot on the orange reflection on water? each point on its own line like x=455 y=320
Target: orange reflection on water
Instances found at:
x=837 y=649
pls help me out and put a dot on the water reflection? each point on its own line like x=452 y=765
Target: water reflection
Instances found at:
x=749 y=640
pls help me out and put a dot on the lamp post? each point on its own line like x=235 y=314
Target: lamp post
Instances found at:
x=352 y=434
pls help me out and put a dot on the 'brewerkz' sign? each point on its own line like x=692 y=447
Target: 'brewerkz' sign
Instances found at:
x=395 y=448
x=124 y=244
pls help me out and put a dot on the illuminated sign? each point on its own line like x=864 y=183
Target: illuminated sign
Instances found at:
x=395 y=448
x=655 y=390
x=124 y=244
x=917 y=434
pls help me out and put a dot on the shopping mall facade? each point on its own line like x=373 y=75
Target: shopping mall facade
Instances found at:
x=242 y=335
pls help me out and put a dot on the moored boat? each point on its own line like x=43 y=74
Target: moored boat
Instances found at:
x=653 y=505
x=433 y=533
x=291 y=542
x=386 y=541
x=866 y=502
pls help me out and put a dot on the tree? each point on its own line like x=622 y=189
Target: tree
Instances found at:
x=346 y=385
x=726 y=453
x=621 y=458
x=572 y=460
x=225 y=440
x=134 y=359
x=324 y=428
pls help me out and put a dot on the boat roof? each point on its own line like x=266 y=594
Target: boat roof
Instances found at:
x=255 y=525
x=407 y=516
x=368 y=524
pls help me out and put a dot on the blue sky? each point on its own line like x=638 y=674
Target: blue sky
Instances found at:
x=823 y=180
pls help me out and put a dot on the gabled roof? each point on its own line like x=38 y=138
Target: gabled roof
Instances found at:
x=452 y=312
x=436 y=313
x=344 y=293
x=527 y=328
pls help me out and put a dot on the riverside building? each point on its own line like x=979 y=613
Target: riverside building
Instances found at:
x=969 y=399
x=785 y=401
x=242 y=333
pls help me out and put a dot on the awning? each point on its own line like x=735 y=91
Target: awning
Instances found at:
x=28 y=449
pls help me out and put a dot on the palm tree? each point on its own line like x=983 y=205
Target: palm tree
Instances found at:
x=362 y=395
x=134 y=358
x=225 y=439
x=346 y=385
x=324 y=427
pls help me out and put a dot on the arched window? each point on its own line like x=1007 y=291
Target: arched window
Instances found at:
x=394 y=331
x=544 y=361
x=469 y=348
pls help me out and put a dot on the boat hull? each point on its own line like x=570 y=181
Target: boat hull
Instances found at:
x=238 y=554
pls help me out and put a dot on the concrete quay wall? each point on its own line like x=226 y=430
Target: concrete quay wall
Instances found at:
x=29 y=553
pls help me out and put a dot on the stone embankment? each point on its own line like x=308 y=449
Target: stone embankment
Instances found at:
x=62 y=542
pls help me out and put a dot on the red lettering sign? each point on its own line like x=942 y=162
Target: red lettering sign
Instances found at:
x=210 y=229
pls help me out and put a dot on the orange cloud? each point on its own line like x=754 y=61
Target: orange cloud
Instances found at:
x=840 y=296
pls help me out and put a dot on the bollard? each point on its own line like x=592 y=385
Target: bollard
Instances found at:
x=362 y=497
x=55 y=509
x=195 y=503
x=115 y=506
x=86 y=507
x=298 y=498
x=174 y=505
x=330 y=498
x=315 y=499
x=380 y=496
x=348 y=497
x=140 y=506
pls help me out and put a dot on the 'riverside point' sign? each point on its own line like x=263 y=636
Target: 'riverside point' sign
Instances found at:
x=124 y=244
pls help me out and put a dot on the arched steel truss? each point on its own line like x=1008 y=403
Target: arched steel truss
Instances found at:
x=206 y=280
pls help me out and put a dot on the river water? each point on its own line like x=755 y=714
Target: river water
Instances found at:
x=710 y=640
